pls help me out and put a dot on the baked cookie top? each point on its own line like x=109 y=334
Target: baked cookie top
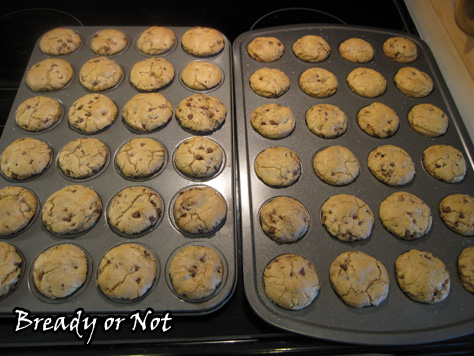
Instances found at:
x=356 y=50
x=83 y=157
x=269 y=82
x=405 y=215
x=266 y=49
x=367 y=82
x=400 y=49
x=278 y=166
x=196 y=272
x=151 y=74
x=199 y=210
x=318 y=82
x=156 y=40
x=378 y=120
x=60 y=41
x=199 y=157
x=291 y=281
x=71 y=210
x=99 y=74
x=92 y=113
x=428 y=120
x=50 y=74
x=60 y=271
x=203 y=41
x=336 y=165
x=18 y=207
x=201 y=75
x=127 y=271
x=457 y=212
x=391 y=165
x=284 y=219
x=444 y=163
x=413 y=82
x=359 y=279
x=466 y=268
x=347 y=217
x=147 y=112
x=312 y=48
x=38 y=113
x=201 y=113
x=25 y=158
x=134 y=210
x=273 y=120
x=422 y=276
x=140 y=157
x=11 y=268
x=326 y=120
x=108 y=41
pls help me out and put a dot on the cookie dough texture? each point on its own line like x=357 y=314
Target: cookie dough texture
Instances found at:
x=60 y=271
x=336 y=165
x=347 y=217
x=92 y=113
x=203 y=41
x=38 y=113
x=318 y=82
x=83 y=157
x=196 y=272
x=201 y=75
x=156 y=40
x=422 y=276
x=151 y=74
x=199 y=157
x=428 y=120
x=291 y=281
x=326 y=120
x=147 y=112
x=444 y=163
x=400 y=49
x=312 y=49
x=50 y=74
x=269 y=82
x=199 y=210
x=11 y=268
x=108 y=42
x=367 y=82
x=60 y=41
x=134 y=210
x=201 y=113
x=99 y=74
x=278 y=166
x=457 y=212
x=391 y=165
x=71 y=210
x=356 y=50
x=266 y=49
x=284 y=219
x=273 y=120
x=25 y=158
x=140 y=158
x=378 y=120
x=413 y=82
x=359 y=279
x=127 y=271
x=18 y=207
x=405 y=215
x=466 y=268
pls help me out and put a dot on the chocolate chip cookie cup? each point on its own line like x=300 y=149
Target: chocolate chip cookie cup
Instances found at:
x=156 y=40
x=12 y=271
x=201 y=76
x=39 y=114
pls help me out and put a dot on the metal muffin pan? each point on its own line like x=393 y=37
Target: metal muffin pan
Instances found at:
x=164 y=239
x=397 y=320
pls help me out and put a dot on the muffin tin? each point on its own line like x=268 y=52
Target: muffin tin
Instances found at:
x=164 y=239
x=397 y=320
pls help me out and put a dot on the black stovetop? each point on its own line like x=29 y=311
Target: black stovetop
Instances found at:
x=233 y=329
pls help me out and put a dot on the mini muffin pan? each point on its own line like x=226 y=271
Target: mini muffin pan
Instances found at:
x=164 y=238
x=397 y=320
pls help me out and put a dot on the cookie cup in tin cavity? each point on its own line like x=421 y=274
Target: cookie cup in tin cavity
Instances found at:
x=336 y=165
x=39 y=114
x=128 y=272
x=60 y=273
x=108 y=42
x=101 y=74
x=50 y=74
x=196 y=272
x=201 y=76
x=12 y=268
x=61 y=41
x=278 y=167
x=156 y=40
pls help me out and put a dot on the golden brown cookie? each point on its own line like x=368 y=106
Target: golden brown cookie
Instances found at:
x=378 y=120
x=466 y=268
x=413 y=82
x=147 y=112
x=201 y=75
x=273 y=120
x=336 y=165
x=400 y=49
x=203 y=41
x=108 y=41
x=391 y=165
x=60 y=41
x=151 y=74
x=11 y=268
x=266 y=49
x=156 y=40
x=428 y=120
x=99 y=74
x=18 y=206
x=312 y=48
x=444 y=163
x=38 y=113
x=49 y=75
x=92 y=113
x=326 y=120
x=356 y=50
x=367 y=82
x=457 y=212
x=278 y=166
x=269 y=82
x=318 y=82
